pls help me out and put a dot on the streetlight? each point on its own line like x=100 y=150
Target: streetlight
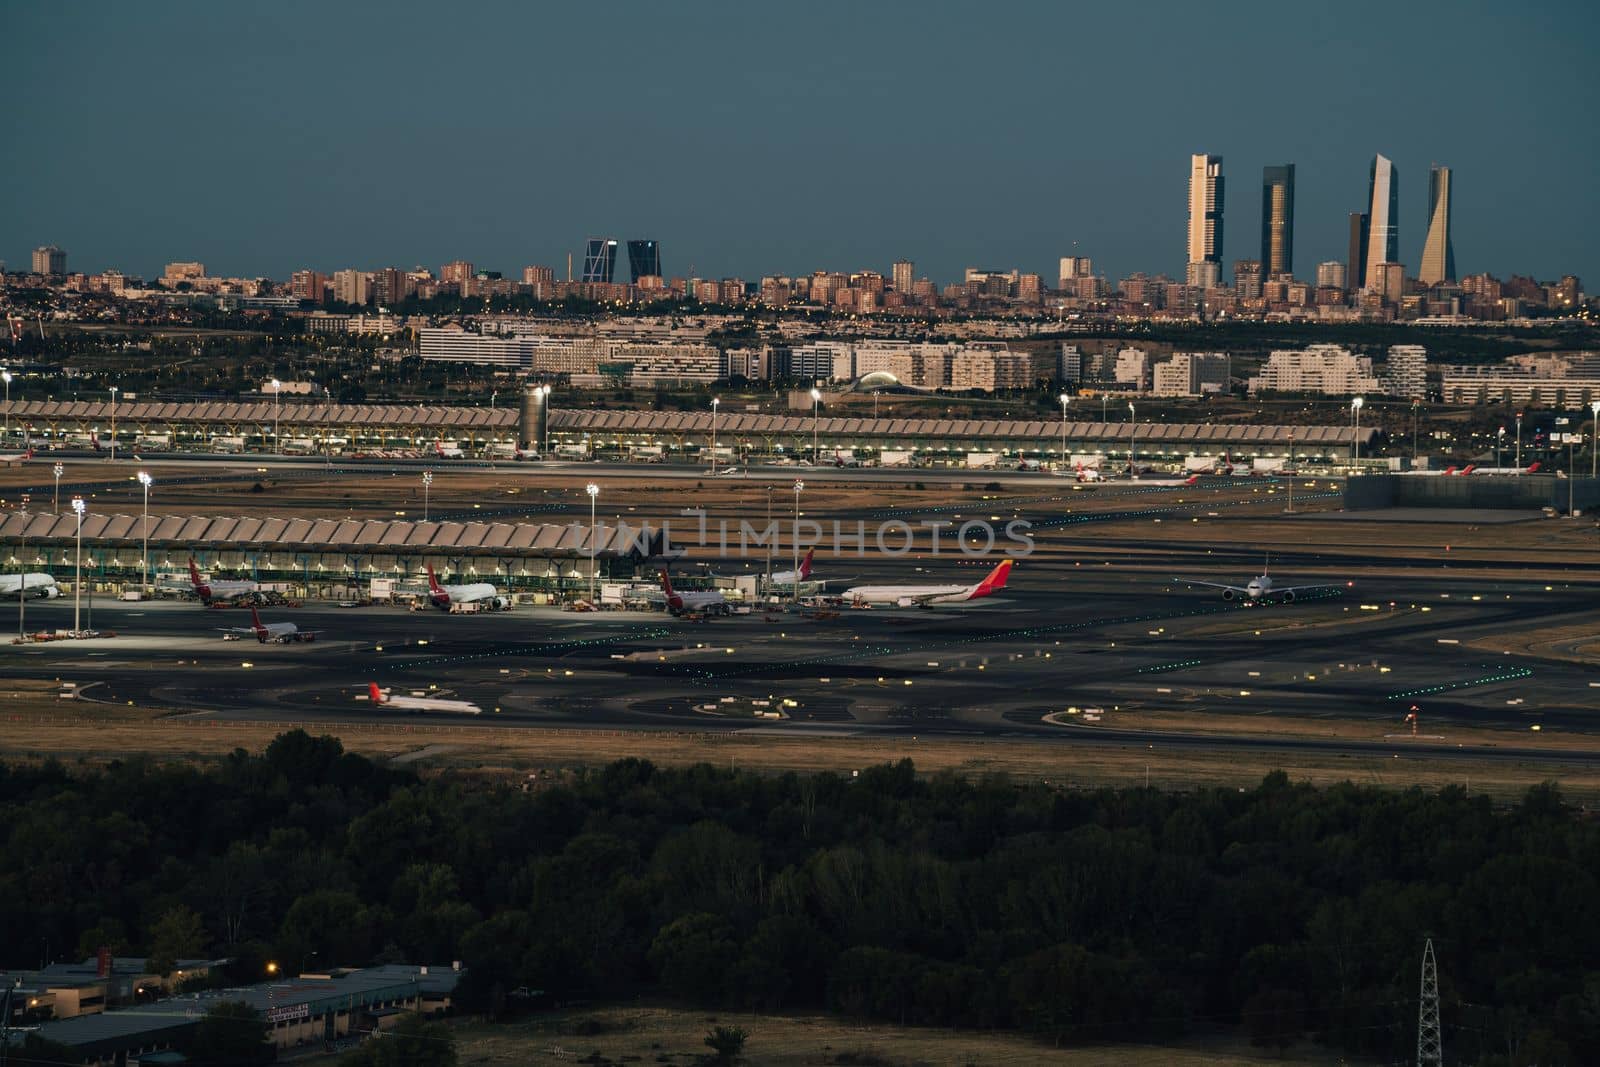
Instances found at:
x=1133 y=433
x=55 y=503
x=795 y=538
x=594 y=544
x=816 y=398
x=544 y=444
x=427 y=480
x=1499 y=443
x=1355 y=439
x=5 y=376
x=113 y=424
x=1519 y=440
x=1594 y=440
x=1415 y=404
x=277 y=413
x=714 y=402
x=77 y=567
x=145 y=480
x=22 y=576
x=1063 y=398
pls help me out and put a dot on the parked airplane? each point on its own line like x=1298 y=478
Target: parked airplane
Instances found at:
x=386 y=698
x=281 y=632
x=38 y=585
x=14 y=459
x=215 y=590
x=442 y=596
x=707 y=602
x=788 y=577
x=1451 y=471
x=1260 y=589
x=1532 y=468
x=926 y=596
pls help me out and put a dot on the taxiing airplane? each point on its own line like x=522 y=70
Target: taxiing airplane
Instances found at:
x=386 y=698
x=14 y=459
x=788 y=577
x=926 y=596
x=707 y=602
x=1260 y=589
x=37 y=585
x=212 y=591
x=442 y=596
x=281 y=632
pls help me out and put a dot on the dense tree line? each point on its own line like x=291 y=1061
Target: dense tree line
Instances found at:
x=1083 y=916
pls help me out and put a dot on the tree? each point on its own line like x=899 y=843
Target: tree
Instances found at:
x=413 y=1042
x=177 y=935
x=727 y=1042
x=232 y=1032
x=692 y=954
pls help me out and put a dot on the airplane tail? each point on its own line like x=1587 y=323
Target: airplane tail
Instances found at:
x=805 y=564
x=1534 y=468
x=374 y=693
x=674 y=601
x=194 y=575
x=255 y=618
x=994 y=582
x=1452 y=470
x=433 y=582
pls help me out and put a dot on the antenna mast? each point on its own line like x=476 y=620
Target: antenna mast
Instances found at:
x=1430 y=1048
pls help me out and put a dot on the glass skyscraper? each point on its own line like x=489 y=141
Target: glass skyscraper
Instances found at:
x=644 y=258
x=600 y=260
x=1438 y=254
x=1277 y=219
x=1383 y=215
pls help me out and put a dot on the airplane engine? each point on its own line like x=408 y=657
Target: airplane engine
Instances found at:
x=1288 y=597
x=501 y=603
x=905 y=602
x=1229 y=594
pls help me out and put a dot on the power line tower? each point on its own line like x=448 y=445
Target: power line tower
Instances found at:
x=1430 y=1048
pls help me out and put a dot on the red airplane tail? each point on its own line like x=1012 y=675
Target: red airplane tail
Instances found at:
x=994 y=582
x=194 y=575
x=374 y=693
x=255 y=620
x=433 y=582
x=673 y=599
x=805 y=564
x=1534 y=468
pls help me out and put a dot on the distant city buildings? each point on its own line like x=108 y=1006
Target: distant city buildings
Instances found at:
x=1326 y=369
x=1438 y=254
x=1277 y=219
x=1383 y=217
x=600 y=260
x=1205 y=220
x=1407 y=372
x=1537 y=378
x=644 y=260
x=50 y=260
x=902 y=272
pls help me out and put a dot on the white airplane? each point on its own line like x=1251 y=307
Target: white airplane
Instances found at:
x=788 y=577
x=1260 y=589
x=14 y=459
x=444 y=451
x=215 y=590
x=281 y=632
x=926 y=596
x=1449 y=472
x=709 y=602
x=1532 y=468
x=37 y=585
x=442 y=596
x=388 y=700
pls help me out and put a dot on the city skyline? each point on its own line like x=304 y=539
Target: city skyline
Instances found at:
x=275 y=181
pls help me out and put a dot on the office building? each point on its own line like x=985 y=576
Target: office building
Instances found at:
x=1205 y=210
x=1248 y=278
x=1277 y=219
x=901 y=273
x=1192 y=373
x=1073 y=268
x=600 y=260
x=644 y=259
x=1356 y=276
x=351 y=286
x=1204 y=274
x=1383 y=216
x=1330 y=275
x=1438 y=255
x=1326 y=369
x=308 y=285
x=49 y=260
x=1407 y=371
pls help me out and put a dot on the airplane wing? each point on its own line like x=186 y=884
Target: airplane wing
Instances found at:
x=1216 y=585
x=236 y=630
x=1304 y=588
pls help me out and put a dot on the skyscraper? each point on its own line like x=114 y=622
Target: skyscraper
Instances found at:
x=644 y=260
x=1356 y=275
x=1277 y=219
x=600 y=260
x=901 y=273
x=1383 y=215
x=49 y=259
x=1205 y=211
x=1438 y=255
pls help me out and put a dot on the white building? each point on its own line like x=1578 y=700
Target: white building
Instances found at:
x=1407 y=371
x=1326 y=369
x=1133 y=369
x=1192 y=374
x=1531 y=379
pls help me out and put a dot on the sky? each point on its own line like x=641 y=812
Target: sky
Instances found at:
x=755 y=139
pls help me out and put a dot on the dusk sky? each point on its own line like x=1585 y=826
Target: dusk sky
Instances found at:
x=763 y=139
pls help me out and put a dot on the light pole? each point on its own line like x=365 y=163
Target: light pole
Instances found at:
x=5 y=376
x=816 y=398
x=1415 y=405
x=1519 y=441
x=1594 y=437
x=544 y=445
x=1063 y=398
x=427 y=480
x=1102 y=408
x=1499 y=443
x=770 y=540
x=145 y=480
x=1355 y=439
x=277 y=413
x=77 y=567
x=1133 y=433
x=795 y=537
x=714 y=402
x=492 y=394
x=55 y=503
x=594 y=542
x=113 y=424
x=1571 y=437
x=22 y=579
x=1291 y=475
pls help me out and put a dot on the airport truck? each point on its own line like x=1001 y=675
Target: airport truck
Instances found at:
x=227 y=445
x=897 y=457
x=153 y=442
x=982 y=460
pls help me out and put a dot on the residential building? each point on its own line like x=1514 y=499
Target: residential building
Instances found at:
x=309 y=285
x=1073 y=267
x=538 y=276
x=182 y=272
x=1132 y=369
x=49 y=259
x=1277 y=219
x=1383 y=214
x=1331 y=275
x=1326 y=369
x=456 y=272
x=1408 y=371
x=1438 y=254
x=352 y=286
x=1249 y=275
x=901 y=272
x=1205 y=211
x=1563 y=381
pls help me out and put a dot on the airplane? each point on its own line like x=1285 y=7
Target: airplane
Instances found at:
x=1532 y=468
x=1259 y=590
x=788 y=577
x=387 y=699
x=281 y=632
x=447 y=452
x=15 y=459
x=846 y=459
x=442 y=596
x=215 y=590
x=709 y=602
x=1170 y=483
x=926 y=596
x=1082 y=473
x=38 y=585
x=1031 y=465
x=1451 y=471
